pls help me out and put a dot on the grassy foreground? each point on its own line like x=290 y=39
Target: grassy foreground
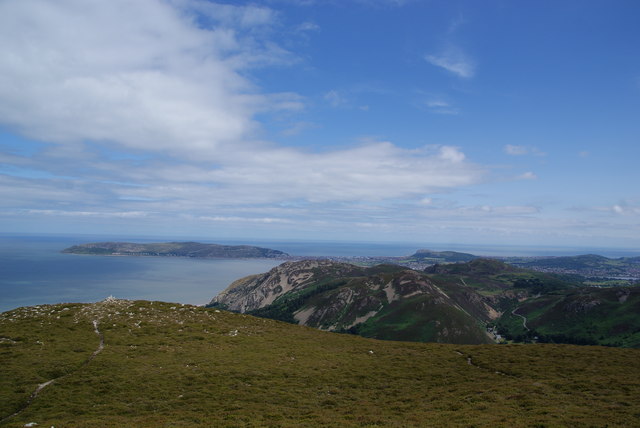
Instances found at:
x=168 y=365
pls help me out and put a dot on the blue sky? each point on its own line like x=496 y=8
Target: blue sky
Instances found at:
x=495 y=122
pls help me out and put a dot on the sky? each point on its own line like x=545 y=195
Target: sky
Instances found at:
x=495 y=122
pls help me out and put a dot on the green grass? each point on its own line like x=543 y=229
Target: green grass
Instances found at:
x=167 y=365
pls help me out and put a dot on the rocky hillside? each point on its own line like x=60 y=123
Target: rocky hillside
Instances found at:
x=174 y=249
x=120 y=363
x=257 y=291
x=384 y=302
x=480 y=301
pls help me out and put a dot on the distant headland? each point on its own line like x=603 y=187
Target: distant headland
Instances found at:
x=175 y=249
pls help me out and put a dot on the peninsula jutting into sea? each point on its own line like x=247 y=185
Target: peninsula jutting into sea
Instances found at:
x=174 y=249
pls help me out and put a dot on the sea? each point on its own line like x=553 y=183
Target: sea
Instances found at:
x=33 y=271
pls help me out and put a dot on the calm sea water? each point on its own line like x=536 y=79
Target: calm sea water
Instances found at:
x=33 y=271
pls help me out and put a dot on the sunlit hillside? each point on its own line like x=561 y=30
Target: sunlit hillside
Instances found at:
x=151 y=364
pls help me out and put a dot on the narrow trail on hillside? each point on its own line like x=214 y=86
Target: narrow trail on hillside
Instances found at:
x=42 y=386
x=471 y=363
x=100 y=345
x=524 y=319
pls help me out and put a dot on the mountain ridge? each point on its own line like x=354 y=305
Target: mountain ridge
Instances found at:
x=479 y=301
x=384 y=301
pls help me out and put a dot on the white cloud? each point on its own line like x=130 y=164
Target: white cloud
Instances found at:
x=384 y=3
x=250 y=16
x=298 y=128
x=437 y=103
x=334 y=98
x=454 y=61
x=372 y=172
x=451 y=154
x=61 y=213
x=308 y=26
x=625 y=209
x=140 y=74
x=527 y=176
x=451 y=57
x=514 y=150
x=481 y=212
x=366 y=3
x=440 y=106
x=348 y=98
x=236 y=219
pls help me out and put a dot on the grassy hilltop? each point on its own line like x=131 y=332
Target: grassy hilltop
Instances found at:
x=168 y=365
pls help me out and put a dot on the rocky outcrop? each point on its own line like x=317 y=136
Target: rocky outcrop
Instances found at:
x=257 y=291
x=385 y=301
x=361 y=299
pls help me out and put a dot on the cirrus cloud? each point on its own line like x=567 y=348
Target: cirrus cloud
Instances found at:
x=454 y=61
x=514 y=150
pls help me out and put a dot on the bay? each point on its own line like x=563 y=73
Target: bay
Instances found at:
x=34 y=272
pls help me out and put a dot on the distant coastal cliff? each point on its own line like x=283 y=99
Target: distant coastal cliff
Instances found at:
x=174 y=249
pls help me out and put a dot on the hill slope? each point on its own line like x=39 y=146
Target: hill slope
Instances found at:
x=451 y=303
x=501 y=285
x=163 y=364
x=383 y=302
x=595 y=316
